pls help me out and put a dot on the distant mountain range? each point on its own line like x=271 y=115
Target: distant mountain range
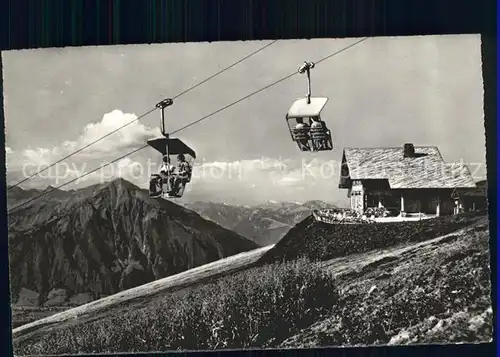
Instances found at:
x=265 y=224
x=105 y=238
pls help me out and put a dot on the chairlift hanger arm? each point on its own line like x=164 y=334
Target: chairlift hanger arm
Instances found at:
x=166 y=145
x=162 y=105
x=165 y=103
x=306 y=68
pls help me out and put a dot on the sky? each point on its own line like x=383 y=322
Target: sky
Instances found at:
x=385 y=91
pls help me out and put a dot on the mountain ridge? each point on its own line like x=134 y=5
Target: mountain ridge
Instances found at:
x=106 y=238
x=265 y=224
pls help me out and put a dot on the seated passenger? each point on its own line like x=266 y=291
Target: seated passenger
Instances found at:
x=166 y=168
x=301 y=134
x=167 y=171
x=319 y=134
x=182 y=175
x=164 y=176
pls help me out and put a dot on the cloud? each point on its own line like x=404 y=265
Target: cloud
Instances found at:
x=268 y=178
x=288 y=181
x=132 y=135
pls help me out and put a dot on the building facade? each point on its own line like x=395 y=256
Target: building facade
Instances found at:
x=406 y=180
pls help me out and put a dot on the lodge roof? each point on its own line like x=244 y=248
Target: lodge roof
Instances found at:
x=426 y=169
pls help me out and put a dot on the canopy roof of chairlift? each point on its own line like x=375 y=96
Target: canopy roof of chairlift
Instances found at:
x=175 y=146
x=301 y=109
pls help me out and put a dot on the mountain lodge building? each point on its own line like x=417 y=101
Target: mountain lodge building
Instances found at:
x=407 y=180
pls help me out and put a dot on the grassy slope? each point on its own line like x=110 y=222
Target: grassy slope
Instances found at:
x=22 y=315
x=420 y=289
x=435 y=291
x=135 y=298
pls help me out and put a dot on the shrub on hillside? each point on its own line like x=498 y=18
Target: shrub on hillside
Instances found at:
x=256 y=308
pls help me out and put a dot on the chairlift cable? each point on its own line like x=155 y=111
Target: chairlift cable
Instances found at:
x=225 y=69
x=141 y=116
x=266 y=87
x=182 y=128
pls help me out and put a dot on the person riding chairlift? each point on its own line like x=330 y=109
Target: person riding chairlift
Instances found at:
x=166 y=171
x=166 y=168
x=182 y=174
x=165 y=175
x=318 y=133
x=302 y=134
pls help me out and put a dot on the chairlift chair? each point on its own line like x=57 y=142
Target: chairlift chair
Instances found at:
x=315 y=136
x=168 y=146
x=318 y=137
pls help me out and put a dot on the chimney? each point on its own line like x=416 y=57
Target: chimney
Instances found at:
x=409 y=150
